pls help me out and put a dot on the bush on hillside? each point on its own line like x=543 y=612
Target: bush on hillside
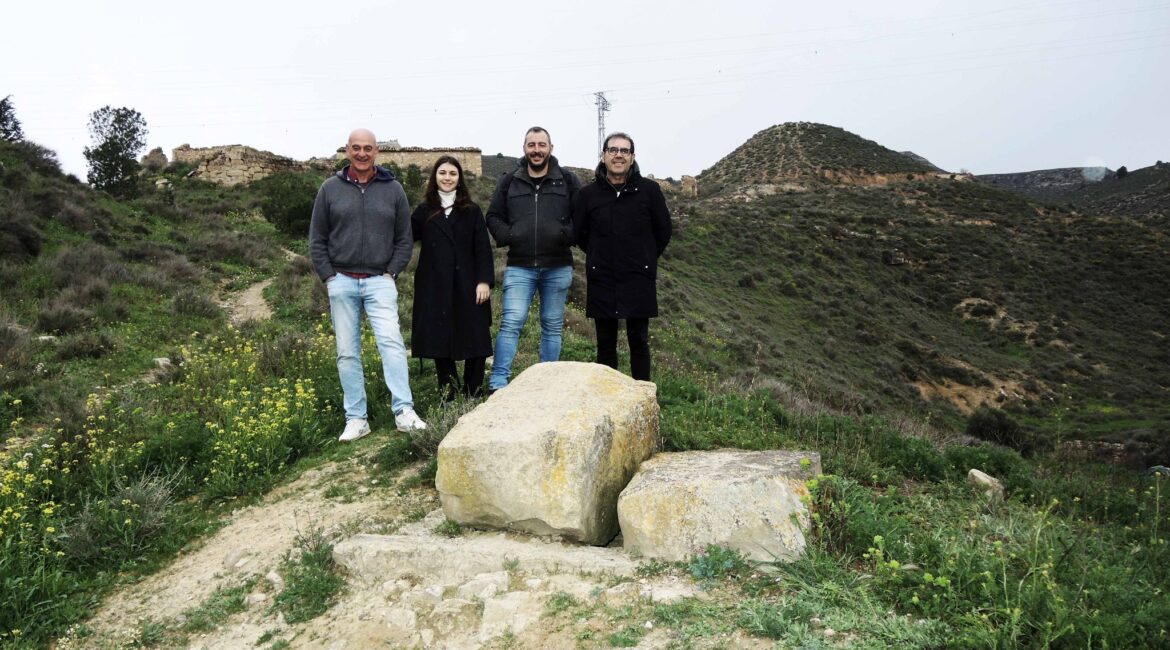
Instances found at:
x=62 y=317
x=993 y=425
x=86 y=345
x=19 y=239
x=39 y=158
x=286 y=199
x=192 y=302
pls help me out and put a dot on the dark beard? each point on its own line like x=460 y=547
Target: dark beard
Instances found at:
x=537 y=168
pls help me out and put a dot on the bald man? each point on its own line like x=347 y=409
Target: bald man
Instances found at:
x=359 y=241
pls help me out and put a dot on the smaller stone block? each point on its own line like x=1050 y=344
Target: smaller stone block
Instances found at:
x=750 y=501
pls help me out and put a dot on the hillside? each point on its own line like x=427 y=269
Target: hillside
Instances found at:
x=1049 y=184
x=797 y=151
x=926 y=296
x=1142 y=193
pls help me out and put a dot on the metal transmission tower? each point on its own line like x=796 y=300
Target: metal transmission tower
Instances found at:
x=602 y=106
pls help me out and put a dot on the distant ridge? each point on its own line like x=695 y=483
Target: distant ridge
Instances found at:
x=1141 y=193
x=915 y=157
x=1049 y=184
x=806 y=150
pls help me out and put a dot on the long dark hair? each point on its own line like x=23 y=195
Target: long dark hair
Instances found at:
x=462 y=195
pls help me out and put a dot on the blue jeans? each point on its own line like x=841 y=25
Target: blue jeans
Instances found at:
x=520 y=284
x=378 y=296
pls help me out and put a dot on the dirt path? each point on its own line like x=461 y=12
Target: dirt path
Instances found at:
x=250 y=304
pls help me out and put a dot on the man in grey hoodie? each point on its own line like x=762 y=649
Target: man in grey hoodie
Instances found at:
x=359 y=241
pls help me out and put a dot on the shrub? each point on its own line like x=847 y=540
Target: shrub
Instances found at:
x=87 y=345
x=286 y=199
x=85 y=260
x=221 y=246
x=993 y=425
x=191 y=302
x=39 y=158
x=914 y=458
x=61 y=317
x=1004 y=464
x=120 y=524
x=19 y=239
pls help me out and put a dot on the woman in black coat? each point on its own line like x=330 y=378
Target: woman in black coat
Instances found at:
x=452 y=314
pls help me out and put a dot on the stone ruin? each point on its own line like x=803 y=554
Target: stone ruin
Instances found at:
x=238 y=164
x=389 y=151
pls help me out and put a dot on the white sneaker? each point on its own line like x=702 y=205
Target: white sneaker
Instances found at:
x=408 y=420
x=354 y=429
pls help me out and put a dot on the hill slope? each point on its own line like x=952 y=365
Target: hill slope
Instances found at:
x=931 y=294
x=1142 y=193
x=1049 y=184
x=804 y=150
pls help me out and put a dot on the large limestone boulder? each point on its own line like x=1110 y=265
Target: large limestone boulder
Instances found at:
x=750 y=501
x=550 y=453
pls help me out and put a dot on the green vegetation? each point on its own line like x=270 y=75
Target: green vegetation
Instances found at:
x=9 y=124
x=286 y=199
x=119 y=134
x=312 y=583
x=449 y=528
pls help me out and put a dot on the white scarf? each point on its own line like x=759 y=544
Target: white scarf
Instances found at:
x=446 y=200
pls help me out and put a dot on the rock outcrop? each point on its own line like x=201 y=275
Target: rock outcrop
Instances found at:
x=550 y=453
x=750 y=501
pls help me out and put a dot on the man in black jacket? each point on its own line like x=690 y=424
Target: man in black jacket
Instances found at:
x=621 y=222
x=530 y=214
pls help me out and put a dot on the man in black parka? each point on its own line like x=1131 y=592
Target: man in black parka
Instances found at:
x=621 y=222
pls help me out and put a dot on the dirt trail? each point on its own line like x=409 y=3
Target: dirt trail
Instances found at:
x=250 y=304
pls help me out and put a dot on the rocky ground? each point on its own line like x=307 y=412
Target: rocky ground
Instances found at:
x=406 y=585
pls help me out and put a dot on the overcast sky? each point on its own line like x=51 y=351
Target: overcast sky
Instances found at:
x=991 y=86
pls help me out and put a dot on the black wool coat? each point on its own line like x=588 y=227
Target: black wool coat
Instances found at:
x=456 y=255
x=623 y=234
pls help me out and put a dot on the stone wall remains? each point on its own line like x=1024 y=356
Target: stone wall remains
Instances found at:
x=235 y=164
x=470 y=158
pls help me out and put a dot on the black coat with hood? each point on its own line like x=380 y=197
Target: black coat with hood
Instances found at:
x=623 y=232
x=533 y=217
x=454 y=257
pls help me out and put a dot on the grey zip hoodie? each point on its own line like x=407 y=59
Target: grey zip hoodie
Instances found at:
x=360 y=230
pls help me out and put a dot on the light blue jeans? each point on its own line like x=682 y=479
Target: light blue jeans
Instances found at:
x=378 y=296
x=520 y=284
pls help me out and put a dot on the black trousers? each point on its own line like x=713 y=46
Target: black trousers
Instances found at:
x=472 y=377
x=638 y=335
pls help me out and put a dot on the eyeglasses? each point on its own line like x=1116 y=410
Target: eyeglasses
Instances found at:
x=613 y=151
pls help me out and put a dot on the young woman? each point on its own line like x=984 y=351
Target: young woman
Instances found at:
x=452 y=316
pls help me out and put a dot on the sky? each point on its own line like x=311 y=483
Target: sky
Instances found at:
x=994 y=86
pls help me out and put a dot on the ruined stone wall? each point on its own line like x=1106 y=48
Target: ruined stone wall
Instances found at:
x=469 y=157
x=235 y=164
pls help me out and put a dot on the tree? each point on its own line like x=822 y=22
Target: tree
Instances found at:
x=119 y=134
x=1122 y=172
x=9 y=126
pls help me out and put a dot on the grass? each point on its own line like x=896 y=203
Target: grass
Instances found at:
x=312 y=582
x=218 y=607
